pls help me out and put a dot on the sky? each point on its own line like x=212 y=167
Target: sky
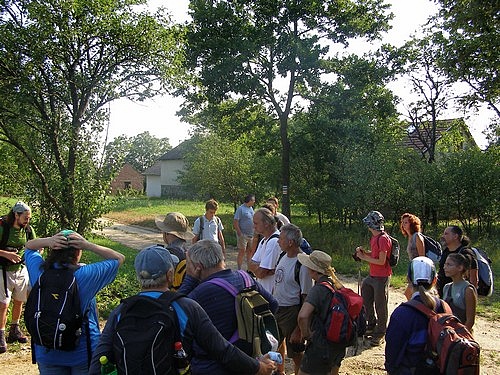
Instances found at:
x=158 y=115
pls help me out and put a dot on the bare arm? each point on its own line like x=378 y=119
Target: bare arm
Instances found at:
x=222 y=242
x=59 y=241
x=382 y=256
x=304 y=320
x=236 y=225
x=470 y=307
x=419 y=241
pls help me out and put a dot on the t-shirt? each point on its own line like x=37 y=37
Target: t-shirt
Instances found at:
x=378 y=244
x=91 y=278
x=244 y=215
x=17 y=238
x=210 y=228
x=266 y=255
x=286 y=289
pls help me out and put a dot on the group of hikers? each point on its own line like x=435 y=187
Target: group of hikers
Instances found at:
x=184 y=284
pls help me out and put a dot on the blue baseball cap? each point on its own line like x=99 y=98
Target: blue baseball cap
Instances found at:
x=153 y=262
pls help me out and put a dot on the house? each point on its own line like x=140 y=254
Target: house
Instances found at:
x=161 y=178
x=451 y=135
x=127 y=179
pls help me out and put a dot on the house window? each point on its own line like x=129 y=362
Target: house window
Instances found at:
x=127 y=185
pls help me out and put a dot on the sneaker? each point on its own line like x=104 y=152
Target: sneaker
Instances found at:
x=377 y=340
x=15 y=334
x=3 y=344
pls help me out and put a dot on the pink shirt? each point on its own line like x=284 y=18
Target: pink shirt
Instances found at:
x=378 y=244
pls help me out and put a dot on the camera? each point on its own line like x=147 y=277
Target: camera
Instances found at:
x=355 y=257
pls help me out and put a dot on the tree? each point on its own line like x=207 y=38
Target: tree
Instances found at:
x=467 y=34
x=270 y=52
x=225 y=170
x=61 y=62
x=140 y=151
x=434 y=91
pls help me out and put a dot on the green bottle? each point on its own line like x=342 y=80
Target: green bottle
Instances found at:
x=107 y=368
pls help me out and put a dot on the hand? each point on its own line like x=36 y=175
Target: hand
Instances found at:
x=10 y=255
x=266 y=366
x=360 y=252
x=296 y=337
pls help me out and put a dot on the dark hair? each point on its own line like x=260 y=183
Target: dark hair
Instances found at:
x=461 y=260
x=65 y=258
x=249 y=197
x=462 y=237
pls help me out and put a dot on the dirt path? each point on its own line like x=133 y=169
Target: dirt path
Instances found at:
x=369 y=362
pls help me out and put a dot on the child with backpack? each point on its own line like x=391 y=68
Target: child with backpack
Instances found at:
x=460 y=294
x=62 y=338
x=406 y=336
x=424 y=337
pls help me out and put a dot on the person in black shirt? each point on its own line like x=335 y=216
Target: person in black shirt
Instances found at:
x=456 y=242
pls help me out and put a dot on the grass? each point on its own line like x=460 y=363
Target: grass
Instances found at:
x=337 y=240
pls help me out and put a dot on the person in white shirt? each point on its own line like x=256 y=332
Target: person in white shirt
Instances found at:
x=209 y=226
x=266 y=256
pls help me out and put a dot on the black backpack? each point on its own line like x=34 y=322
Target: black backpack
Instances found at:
x=5 y=239
x=394 y=255
x=53 y=314
x=144 y=338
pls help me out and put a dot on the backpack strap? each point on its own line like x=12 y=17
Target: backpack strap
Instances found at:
x=420 y=306
x=202 y=224
x=231 y=289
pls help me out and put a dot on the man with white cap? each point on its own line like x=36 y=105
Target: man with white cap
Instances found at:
x=375 y=287
x=14 y=280
x=406 y=336
x=321 y=357
x=154 y=270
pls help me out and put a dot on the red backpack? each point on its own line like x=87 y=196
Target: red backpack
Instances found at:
x=344 y=317
x=451 y=345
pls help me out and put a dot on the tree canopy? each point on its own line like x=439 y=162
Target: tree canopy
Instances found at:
x=270 y=52
x=61 y=62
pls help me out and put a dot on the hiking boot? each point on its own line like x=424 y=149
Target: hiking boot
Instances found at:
x=15 y=334
x=3 y=344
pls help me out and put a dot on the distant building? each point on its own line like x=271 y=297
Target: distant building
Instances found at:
x=127 y=179
x=161 y=178
x=451 y=135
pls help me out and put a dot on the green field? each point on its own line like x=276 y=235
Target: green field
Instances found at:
x=333 y=238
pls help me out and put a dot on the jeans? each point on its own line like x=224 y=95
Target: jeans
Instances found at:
x=46 y=369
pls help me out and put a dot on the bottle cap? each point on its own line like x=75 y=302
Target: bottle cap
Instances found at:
x=103 y=359
x=178 y=345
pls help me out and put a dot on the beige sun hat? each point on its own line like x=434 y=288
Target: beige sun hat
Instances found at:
x=175 y=223
x=318 y=261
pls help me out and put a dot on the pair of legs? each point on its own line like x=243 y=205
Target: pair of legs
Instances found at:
x=17 y=290
x=321 y=358
x=375 y=293
x=286 y=316
x=245 y=250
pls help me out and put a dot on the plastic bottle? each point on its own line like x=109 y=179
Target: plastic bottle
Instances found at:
x=181 y=360
x=107 y=368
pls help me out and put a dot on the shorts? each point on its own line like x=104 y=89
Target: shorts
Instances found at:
x=244 y=242
x=17 y=285
x=320 y=357
x=286 y=317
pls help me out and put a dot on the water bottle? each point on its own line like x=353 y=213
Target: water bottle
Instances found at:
x=107 y=368
x=181 y=360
